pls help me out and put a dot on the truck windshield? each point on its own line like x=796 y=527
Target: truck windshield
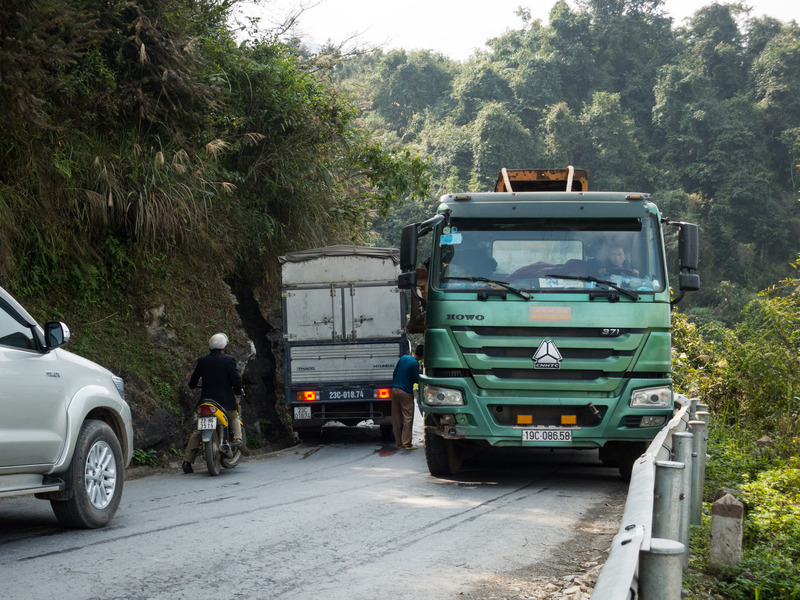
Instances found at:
x=550 y=254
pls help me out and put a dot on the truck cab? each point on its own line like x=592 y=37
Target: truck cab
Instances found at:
x=547 y=318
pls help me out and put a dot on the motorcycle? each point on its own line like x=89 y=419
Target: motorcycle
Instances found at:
x=219 y=448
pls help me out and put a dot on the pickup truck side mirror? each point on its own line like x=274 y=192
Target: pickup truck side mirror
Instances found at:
x=55 y=335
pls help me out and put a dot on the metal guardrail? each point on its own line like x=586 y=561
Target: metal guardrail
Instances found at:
x=651 y=550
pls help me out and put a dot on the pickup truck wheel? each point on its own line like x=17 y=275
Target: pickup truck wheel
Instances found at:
x=442 y=456
x=95 y=477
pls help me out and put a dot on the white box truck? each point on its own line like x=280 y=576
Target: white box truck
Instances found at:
x=344 y=329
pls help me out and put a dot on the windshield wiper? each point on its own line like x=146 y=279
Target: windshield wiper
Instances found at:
x=629 y=293
x=502 y=284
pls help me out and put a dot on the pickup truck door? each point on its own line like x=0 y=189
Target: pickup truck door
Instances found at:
x=33 y=417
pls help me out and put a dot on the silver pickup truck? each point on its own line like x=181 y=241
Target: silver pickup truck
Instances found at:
x=65 y=428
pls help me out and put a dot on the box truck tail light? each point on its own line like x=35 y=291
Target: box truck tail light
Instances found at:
x=383 y=393
x=307 y=396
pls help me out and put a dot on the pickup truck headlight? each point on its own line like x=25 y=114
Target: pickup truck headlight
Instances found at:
x=119 y=383
x=660 y=397
x=439 y=396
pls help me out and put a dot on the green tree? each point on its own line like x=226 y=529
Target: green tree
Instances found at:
x=615 y=159
x=631 y=40
x=411 y=83
x=565 y=139
x=479 y=82
x=500 y=140
x=568 y=41
x=776 y=75
x=717 y=47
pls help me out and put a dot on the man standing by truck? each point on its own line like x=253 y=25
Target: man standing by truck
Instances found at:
x=406 y=374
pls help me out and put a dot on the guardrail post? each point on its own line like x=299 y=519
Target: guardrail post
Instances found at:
x=682 y=452
x=660 y=571
x=693 y=406
x=668 y=500
x=699 y=430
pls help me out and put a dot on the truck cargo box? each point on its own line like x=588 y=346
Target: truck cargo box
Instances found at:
x=344 y=329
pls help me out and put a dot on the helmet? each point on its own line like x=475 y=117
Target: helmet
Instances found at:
x=218 y=341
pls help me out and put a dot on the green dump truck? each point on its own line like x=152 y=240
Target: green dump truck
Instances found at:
x=546 y=313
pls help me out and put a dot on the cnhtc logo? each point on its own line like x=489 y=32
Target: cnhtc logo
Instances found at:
x=547 y=356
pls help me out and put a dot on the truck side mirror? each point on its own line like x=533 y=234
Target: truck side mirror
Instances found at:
x=688 y=252
x=408 y=248
x=688 y=246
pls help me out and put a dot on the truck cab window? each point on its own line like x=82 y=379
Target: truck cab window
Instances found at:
x=531 y=254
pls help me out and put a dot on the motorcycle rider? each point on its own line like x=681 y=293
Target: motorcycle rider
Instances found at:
x=220 y=381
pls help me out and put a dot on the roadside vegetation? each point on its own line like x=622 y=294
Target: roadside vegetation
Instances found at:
x=750 y=378
x=151 y=165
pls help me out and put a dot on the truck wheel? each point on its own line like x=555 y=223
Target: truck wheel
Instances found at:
x=441 y=455
x=95 y=477
x=629 y=452
x=213 y=455
x=609 y=454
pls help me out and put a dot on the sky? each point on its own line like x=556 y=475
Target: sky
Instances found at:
x=454 y=28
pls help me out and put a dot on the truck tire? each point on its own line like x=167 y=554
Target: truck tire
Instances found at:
x=609 y=454
x=213 y=455
x=95 y=477
x=441 y=455
x=629 y=452
x=387 y=433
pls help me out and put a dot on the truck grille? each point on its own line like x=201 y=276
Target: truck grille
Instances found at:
x=502 y=357
x=547 y=416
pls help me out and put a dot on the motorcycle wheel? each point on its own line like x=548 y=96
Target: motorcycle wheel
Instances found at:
x=213 y=455
x=229 y=463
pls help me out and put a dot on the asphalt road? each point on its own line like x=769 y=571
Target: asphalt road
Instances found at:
x=349 y=518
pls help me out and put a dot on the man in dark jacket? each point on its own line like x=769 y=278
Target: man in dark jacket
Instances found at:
x=221 y=382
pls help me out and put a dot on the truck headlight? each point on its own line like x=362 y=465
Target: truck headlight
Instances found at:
x=660 y=397
x=438 y=396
